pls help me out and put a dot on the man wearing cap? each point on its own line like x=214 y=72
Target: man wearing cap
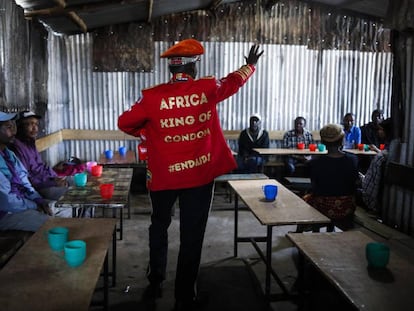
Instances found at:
x=21 y=206
x=186 y=151
x=254 y=136
x=43 y=178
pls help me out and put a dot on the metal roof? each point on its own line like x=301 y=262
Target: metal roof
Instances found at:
x=77 y=16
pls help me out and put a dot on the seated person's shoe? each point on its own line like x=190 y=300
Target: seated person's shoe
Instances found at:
x=152 y=292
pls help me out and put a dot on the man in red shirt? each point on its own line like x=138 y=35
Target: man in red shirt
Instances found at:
x=186 y=151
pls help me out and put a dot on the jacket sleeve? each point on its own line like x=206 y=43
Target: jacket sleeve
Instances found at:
x=15 y=203
x=132 y=120
x=233 y=82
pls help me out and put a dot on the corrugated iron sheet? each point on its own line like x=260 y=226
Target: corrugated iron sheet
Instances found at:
x=290 y=80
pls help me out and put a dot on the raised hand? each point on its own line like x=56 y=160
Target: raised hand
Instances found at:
x=254 y=55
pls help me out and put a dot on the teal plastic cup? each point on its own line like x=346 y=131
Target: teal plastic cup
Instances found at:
x=75 y=252
x=321 y=147
x=377 y=254
x=270 y=192
x=57 y=237
x=80 y=179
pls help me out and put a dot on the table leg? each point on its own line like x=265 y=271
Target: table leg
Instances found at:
x=236 y=222
x=106 y=287
x=121 y=223
x=114 y=258
x=268 y=261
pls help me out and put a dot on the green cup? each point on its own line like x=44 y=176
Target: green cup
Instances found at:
x=321 y=147
x=75 y=252
x=57 y=237
x=80 y=179
x=377 y=254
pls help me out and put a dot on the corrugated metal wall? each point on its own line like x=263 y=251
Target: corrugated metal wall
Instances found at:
x=291 y=80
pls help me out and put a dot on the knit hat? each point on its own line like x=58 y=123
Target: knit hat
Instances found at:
x=331 y=133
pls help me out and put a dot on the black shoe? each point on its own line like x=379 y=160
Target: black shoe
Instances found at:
x=191 y=305
x=152 y=292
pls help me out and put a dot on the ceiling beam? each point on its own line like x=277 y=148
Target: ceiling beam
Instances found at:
x=151 y=4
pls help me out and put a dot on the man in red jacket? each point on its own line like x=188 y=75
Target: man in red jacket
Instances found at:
x=186 y=151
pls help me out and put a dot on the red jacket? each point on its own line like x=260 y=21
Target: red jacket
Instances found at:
x=185 y=143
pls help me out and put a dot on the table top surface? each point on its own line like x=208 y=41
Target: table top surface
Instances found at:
x=90 y=194
x=129 y=159
x=38 y=278
x=360 y=152
x=227 y=177
x=287 y=151
x=287 y=209
x=340 y=257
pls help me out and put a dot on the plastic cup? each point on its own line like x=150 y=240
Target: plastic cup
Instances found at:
x=109 y=154
x=75 y=252
x=361 y=147
x=312 y=147
x=377 y=254
x=122 y=151
x=57 y=237
x=321 y=147
x=96 y=170
x=89 y=165
x=382 y=146
x=107 y=190
x=300 y=146
x=270 y=192
x=80 y=179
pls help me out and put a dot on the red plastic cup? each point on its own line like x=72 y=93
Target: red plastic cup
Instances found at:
x=312 y=147
x=301 y=145
x=96 y=170
x=361 y=147
x=382 y=146
x=107 y=190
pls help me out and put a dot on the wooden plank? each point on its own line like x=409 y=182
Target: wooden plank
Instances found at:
x=69 y=134
x=47 y=141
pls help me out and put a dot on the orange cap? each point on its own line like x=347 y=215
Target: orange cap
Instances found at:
x=186 y=48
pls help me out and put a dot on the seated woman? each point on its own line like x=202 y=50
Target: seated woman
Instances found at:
x=334 y=179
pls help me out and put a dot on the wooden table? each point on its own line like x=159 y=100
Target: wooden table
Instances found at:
x=37 y=278
x=126 y=161
x=360 y=152
x=340 y=257
x=287 y=209
x=90 y=197
x=288 y=151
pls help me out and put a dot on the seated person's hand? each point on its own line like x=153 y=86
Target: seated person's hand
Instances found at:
x=374 y=148
x=44 y=208
x=61 y=182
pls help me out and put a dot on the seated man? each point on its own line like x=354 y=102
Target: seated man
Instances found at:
x=248 y=161
x=352 y=132
x=43 y=178
x=372 y=133
x=15 y=185
x=290 y=140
